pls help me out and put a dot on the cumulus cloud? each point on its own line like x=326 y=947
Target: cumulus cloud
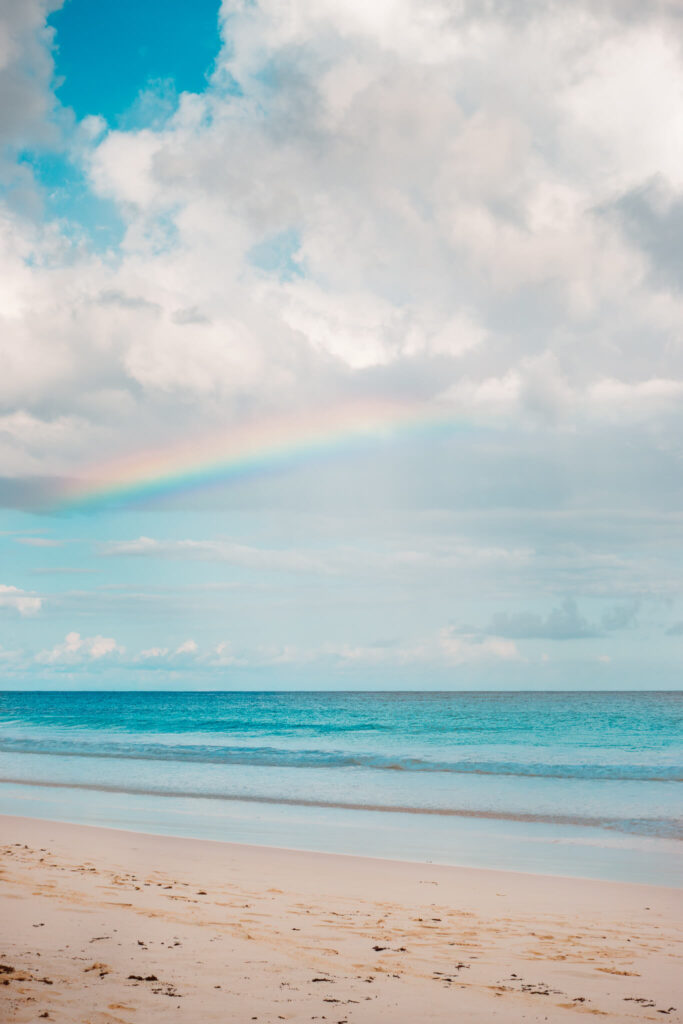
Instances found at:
x=223 y=656
x=448 y=180
x=76 y=648
x=21 y=600
x=461 y=649
x=159 y=656
x=442 y=649
x=26 y=69
x=187 y=647
x=154 y=652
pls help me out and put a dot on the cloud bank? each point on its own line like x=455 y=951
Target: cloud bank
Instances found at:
x=455 y=202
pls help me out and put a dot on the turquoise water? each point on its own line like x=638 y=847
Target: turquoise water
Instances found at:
x=580 y=783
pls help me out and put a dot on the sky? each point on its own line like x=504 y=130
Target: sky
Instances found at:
x=341 y=344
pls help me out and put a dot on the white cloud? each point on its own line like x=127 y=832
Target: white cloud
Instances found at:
x=76 y=648
x=21 y=600
x=460 y=649
x=187 y=647
x=611 y=102
x=98 y=646
x=223 y=656
x=442 y=555
x=225 y=551
x=188 y=652
x=619 y=398
x=154 y=652
x=39 y=542
x=444 y=648
x=446 y=183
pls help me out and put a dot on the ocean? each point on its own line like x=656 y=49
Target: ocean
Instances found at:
x=584 y=784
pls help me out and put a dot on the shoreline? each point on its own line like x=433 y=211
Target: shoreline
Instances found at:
x=360 y=857
x=492 y=842
x=110 y=925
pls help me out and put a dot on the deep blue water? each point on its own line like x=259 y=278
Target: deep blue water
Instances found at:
x=556 y=776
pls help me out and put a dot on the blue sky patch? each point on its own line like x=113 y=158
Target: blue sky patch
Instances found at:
x=107 y=52
x=277 y=255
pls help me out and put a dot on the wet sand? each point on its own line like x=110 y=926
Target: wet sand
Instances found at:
x=100 y=926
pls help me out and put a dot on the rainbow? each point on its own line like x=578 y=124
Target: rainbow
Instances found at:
x=251 y=449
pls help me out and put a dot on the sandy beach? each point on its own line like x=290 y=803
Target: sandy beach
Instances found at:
x=104 y=926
